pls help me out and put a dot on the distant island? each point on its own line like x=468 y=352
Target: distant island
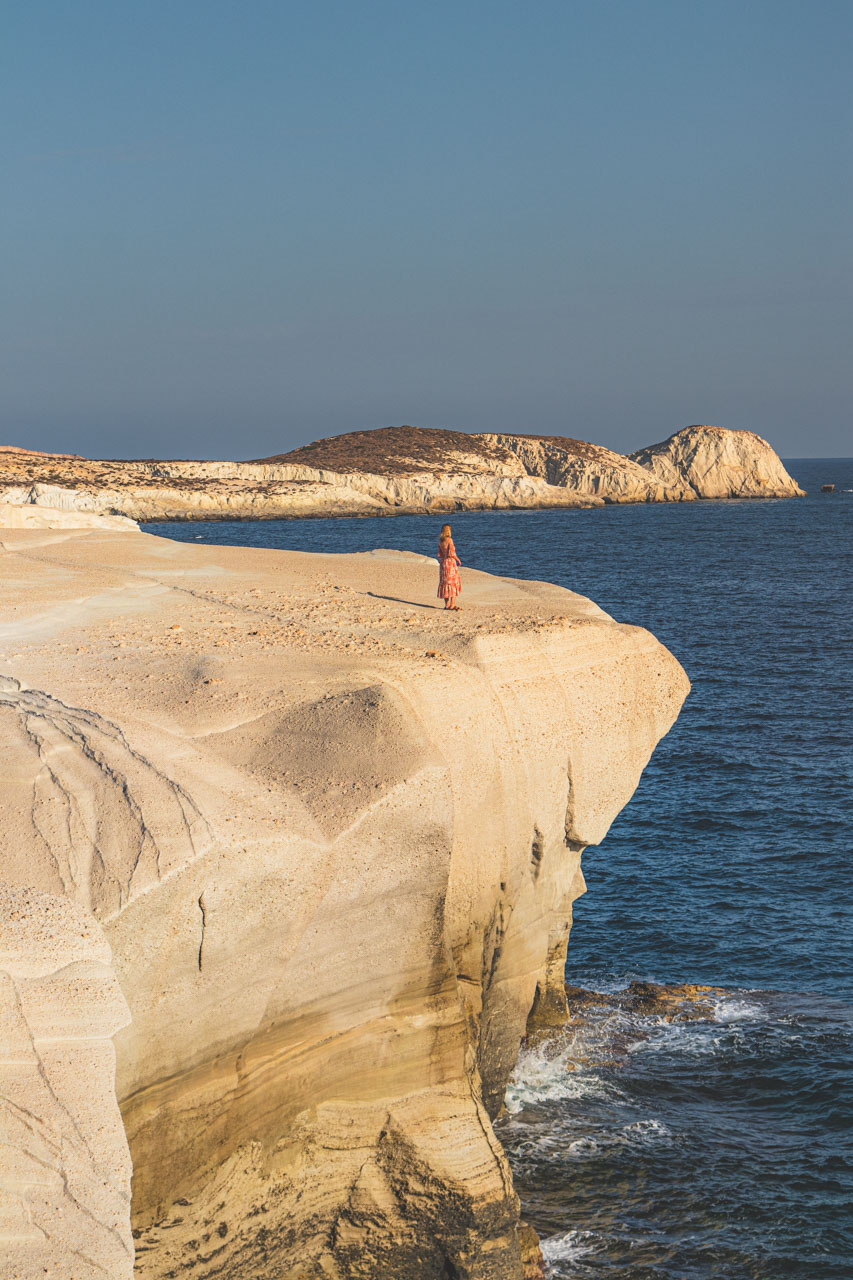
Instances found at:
x=392 y=471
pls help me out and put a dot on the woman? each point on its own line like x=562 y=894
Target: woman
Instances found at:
x=449 y=582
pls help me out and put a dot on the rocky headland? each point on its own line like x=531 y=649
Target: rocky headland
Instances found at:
x=291 y=854
x=397 y=470
x=715 y=463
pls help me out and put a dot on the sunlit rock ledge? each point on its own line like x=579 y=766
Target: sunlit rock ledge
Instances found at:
x=331 y=838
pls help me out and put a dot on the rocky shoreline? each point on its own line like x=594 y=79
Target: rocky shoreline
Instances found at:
x=330 y=907
x=398 y=471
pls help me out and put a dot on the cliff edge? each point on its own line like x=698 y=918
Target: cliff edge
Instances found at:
x=331 y=837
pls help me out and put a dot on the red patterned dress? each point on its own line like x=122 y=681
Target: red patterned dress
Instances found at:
x=449 y=581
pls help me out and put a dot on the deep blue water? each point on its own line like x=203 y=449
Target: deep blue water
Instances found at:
x=720 y=1147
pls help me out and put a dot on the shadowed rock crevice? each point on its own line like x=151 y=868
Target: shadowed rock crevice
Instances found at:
x=537 y=849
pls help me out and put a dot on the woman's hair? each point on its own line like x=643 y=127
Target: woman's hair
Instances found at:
x=444 y=536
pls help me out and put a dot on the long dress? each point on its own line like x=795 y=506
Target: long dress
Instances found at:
x=449 y=581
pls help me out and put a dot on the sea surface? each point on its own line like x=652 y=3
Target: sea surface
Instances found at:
x=644 y=1147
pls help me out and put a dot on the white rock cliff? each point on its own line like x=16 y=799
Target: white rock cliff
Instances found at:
x=332 y=837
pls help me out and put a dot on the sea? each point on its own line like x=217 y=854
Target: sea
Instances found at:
x=658 y=1148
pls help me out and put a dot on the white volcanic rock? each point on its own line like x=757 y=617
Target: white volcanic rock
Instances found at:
x=717 y=463
x=593 y=472
x=35 y=515
x=250 y=491
x=485 y=478
x=64 y=1161
x=333 y=836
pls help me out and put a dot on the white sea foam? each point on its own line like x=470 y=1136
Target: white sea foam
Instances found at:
x=547 y=1073
x=579 y=1064
x=569 y=1246
x=639 y=1133
x=583 y=1147
x=690 y=1039
x=644 y=1132
x=734 y=1008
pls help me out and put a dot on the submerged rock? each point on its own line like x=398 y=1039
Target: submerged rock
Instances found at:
x=672 y=1001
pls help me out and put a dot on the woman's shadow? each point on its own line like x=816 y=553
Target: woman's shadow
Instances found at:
x=414 y=604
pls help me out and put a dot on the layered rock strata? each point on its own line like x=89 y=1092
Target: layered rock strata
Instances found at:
x=399 y=470
x=332 y=836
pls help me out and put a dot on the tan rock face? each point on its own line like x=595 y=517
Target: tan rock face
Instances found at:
x=38 y=516
x=716 y=463
x=64 y=1162
x=333 y=836
x=593 y=472
x=397 y=470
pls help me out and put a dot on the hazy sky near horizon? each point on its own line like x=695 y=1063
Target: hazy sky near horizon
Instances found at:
x=230 y=228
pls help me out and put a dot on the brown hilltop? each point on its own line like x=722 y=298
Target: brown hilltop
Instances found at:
x=410 y=449
x=384 y=449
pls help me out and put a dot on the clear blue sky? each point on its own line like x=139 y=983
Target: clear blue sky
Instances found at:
x=230 y=228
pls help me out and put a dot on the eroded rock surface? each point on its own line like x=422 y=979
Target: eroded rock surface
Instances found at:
x=591 y=471
x=332 y=836
x=36 y=515
x=716 y=463
x=64 y=1161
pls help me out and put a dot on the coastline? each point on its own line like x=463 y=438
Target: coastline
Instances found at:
x=403 y=471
